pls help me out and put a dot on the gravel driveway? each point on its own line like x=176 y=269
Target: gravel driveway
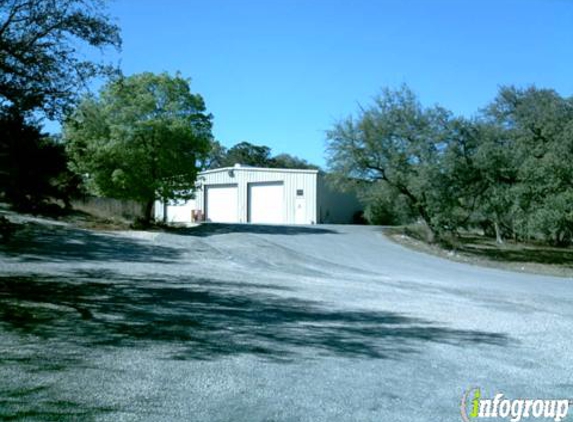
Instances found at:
x=257 y=323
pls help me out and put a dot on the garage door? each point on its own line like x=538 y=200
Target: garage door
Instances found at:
x=266 y=203
x=221 y=204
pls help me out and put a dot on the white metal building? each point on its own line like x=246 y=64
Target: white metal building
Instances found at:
x=243 y=194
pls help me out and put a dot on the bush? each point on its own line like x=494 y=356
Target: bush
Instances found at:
x=7 y=229
x=33 y=166
x=385 y=207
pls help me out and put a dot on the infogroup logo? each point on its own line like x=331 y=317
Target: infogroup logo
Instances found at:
x=474 y=406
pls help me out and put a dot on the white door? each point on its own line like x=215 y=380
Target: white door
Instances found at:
x=221 y=203
x=300 y=210
x=266 y=203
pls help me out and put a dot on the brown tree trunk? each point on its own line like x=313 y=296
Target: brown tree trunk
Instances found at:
x=498 y=236
x=148 y=211
x=431 y=235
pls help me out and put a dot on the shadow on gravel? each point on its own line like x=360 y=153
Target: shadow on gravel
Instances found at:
x=520 y=253
x=210 y=229
x=201 y=319
x=37 y=403
x=36 y=242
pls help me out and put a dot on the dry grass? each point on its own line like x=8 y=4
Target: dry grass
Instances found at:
x=479 y=250
x=88 y=221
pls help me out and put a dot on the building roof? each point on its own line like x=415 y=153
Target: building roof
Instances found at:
x=240 y=167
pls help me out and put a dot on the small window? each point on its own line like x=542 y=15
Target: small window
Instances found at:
x=299 y=192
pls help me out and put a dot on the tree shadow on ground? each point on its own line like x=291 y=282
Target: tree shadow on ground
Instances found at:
x=211 y=229
x=37 y=403
x=483 y=247
x=38 y=242
x=201 y=319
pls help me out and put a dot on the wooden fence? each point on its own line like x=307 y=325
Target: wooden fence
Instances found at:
x=110 y=208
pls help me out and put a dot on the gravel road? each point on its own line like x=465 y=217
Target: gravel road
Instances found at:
x=266 y=324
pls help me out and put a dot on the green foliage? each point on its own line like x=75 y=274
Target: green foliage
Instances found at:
x=40 y=68
x=216 y=157
x=384 y=205
x=41 y=74
x=287 y=161
x=399 y=142
x=535 y=152
x=7 y=229
x=142 y=139
x=32 y=165
x=508 y=172
x=249 y=154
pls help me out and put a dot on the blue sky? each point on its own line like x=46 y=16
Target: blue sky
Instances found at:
x=281 y=72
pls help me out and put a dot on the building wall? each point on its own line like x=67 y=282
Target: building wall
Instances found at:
x=177 y=211
x=334 y=205
x=292 y=180
x=323 y=203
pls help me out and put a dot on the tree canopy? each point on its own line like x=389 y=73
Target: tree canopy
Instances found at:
x=142 y=138
x=248 y=154
x=33 y=166
x=40 y=40
x=42 y=72
x=287 y=161
x=533 y=158
x=508 y=171
x=252 y=155
x=395 y=141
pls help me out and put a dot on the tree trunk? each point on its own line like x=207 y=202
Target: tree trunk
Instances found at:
x=148 y=211
x=430 y=235
x=498 y=236
x=430 y=232
x=67 y=203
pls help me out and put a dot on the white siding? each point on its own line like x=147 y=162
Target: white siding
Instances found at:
x=305 y=190
x=159 y=209
x=293 y=180
x=176 y=211
x=335 y=206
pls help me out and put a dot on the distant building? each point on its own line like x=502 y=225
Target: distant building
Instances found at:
x=242 y=194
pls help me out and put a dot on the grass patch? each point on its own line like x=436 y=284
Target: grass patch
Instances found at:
x=88 y=221
x=475 y=249
x=78 y=218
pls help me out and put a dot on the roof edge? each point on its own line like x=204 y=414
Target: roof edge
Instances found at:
x=262 y=169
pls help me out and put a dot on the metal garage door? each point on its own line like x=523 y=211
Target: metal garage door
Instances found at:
x=221 y=203
x=266 y=203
